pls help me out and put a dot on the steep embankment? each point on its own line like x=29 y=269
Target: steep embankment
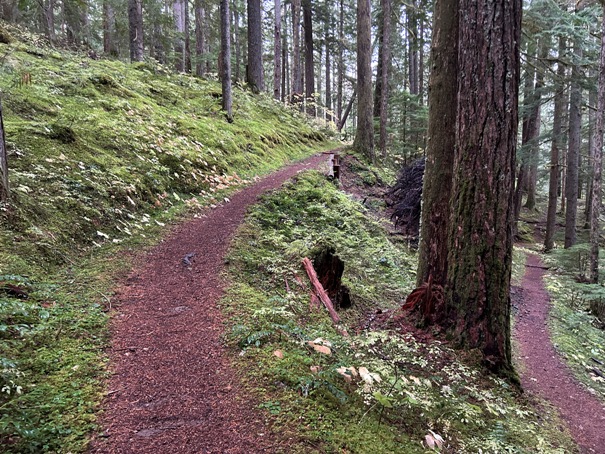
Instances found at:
x=102 y=154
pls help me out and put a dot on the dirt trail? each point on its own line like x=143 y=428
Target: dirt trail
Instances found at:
x=172 y=389
x=545 y=374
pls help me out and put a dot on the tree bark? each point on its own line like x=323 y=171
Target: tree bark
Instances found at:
x=340 y=64
x=477 y=312
x=200 y=16
x=297 y=84
x=255 y=49
x=237 y=42
x=309 y=63
x=347 y=111
x=4 y=186
x=385 y=62
x=135 y=25
x=178 y=11
x=438 y=173
x=553 y=183
x=328 y=44
x=277 y=52
x=573 y=150
x=226 y=58
x=597 y=165
x=364 y=136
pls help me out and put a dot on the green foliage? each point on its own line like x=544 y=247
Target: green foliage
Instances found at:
x=102 y=155
x=376 y=391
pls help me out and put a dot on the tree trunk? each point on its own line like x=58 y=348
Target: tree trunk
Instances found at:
x=200 y=15
x=109 y=28
x=255 y=49
x=49 y=19
x=226 y=58
x=597 y=165
x=592 y=106
x=178 y=11
x=328 y=43
x=347 y=111
x=438 y=173
x=237 y=42
x=573 y=150
x=477 y=312
x=553 y=183
x=135 y=26
x=297 y=84
x=309 y=63
x=340 y=63
x=277 y=52
x=4 y=187
x=285 y=71
x=364 y=136
x=385 y=63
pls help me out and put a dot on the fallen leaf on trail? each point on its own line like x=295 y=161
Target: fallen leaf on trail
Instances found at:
x=279 y=354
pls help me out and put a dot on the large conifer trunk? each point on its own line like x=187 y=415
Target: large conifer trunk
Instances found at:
x=480 y=234
x=255 y=49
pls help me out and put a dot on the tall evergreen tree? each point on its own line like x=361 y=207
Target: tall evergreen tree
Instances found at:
x=477 y=302
x=277 y=41
x=309 y=61
x=438 y=174
x=364 y=137
x=135 y=25
x=255 y=48
x=226 y=58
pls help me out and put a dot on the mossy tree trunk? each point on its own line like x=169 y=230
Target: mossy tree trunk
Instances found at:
x=436 y=191
x=226 y=59
x=597 y=155
x=179 y=11
x=297 y=87
x=480 y=234
x=364 y=137
x=555 y=149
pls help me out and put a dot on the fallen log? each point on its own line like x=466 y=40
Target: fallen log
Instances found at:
x=319 y=290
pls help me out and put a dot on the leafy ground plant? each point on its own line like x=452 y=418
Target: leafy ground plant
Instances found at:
x=383 y=388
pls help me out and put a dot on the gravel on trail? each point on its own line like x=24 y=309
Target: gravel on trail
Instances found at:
x=172 y=387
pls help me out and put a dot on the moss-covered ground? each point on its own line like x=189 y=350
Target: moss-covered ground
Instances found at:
x=384 y=389
x=102 y=156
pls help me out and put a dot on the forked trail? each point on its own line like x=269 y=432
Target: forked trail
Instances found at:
x=172 y=388
x=544 y=372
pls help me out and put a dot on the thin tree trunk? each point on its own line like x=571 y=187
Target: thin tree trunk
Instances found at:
x=438 y=173
x=309 y=63
x=238 y=41
x=226 y=58
x=200 y=14
x=592 y=101
x=573 y=150
x=135 y=22
x=4 y=186
x=340 y=63
x=328 y=43
x=597 y=165
x=385 y=63
x=347 y=111
x=277 y=54
x=178 y=11
x=364 y=136
x=285 y=72
x=49 y=19
x=297 y=84
x=187 y=38
x=553 y=183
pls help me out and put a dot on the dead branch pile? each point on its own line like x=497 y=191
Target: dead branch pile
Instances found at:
x=405 y=196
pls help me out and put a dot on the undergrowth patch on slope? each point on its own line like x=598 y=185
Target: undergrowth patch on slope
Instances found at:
x=102 y=155
x=379 y=390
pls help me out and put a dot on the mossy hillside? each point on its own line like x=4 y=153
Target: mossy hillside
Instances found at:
x=102 y=156
x=411 y=386
x=93 y=142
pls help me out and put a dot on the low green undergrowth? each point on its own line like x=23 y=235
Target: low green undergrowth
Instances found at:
x=578 y=335
x=102 y=155
x=377 y=390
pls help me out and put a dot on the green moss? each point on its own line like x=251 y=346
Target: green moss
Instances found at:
x=416 y=386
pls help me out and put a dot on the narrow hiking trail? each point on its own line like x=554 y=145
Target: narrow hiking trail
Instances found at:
x=544 y=373
x=172 y=388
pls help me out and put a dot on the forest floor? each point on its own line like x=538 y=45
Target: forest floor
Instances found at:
x=542 y=371
x=172 y=387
